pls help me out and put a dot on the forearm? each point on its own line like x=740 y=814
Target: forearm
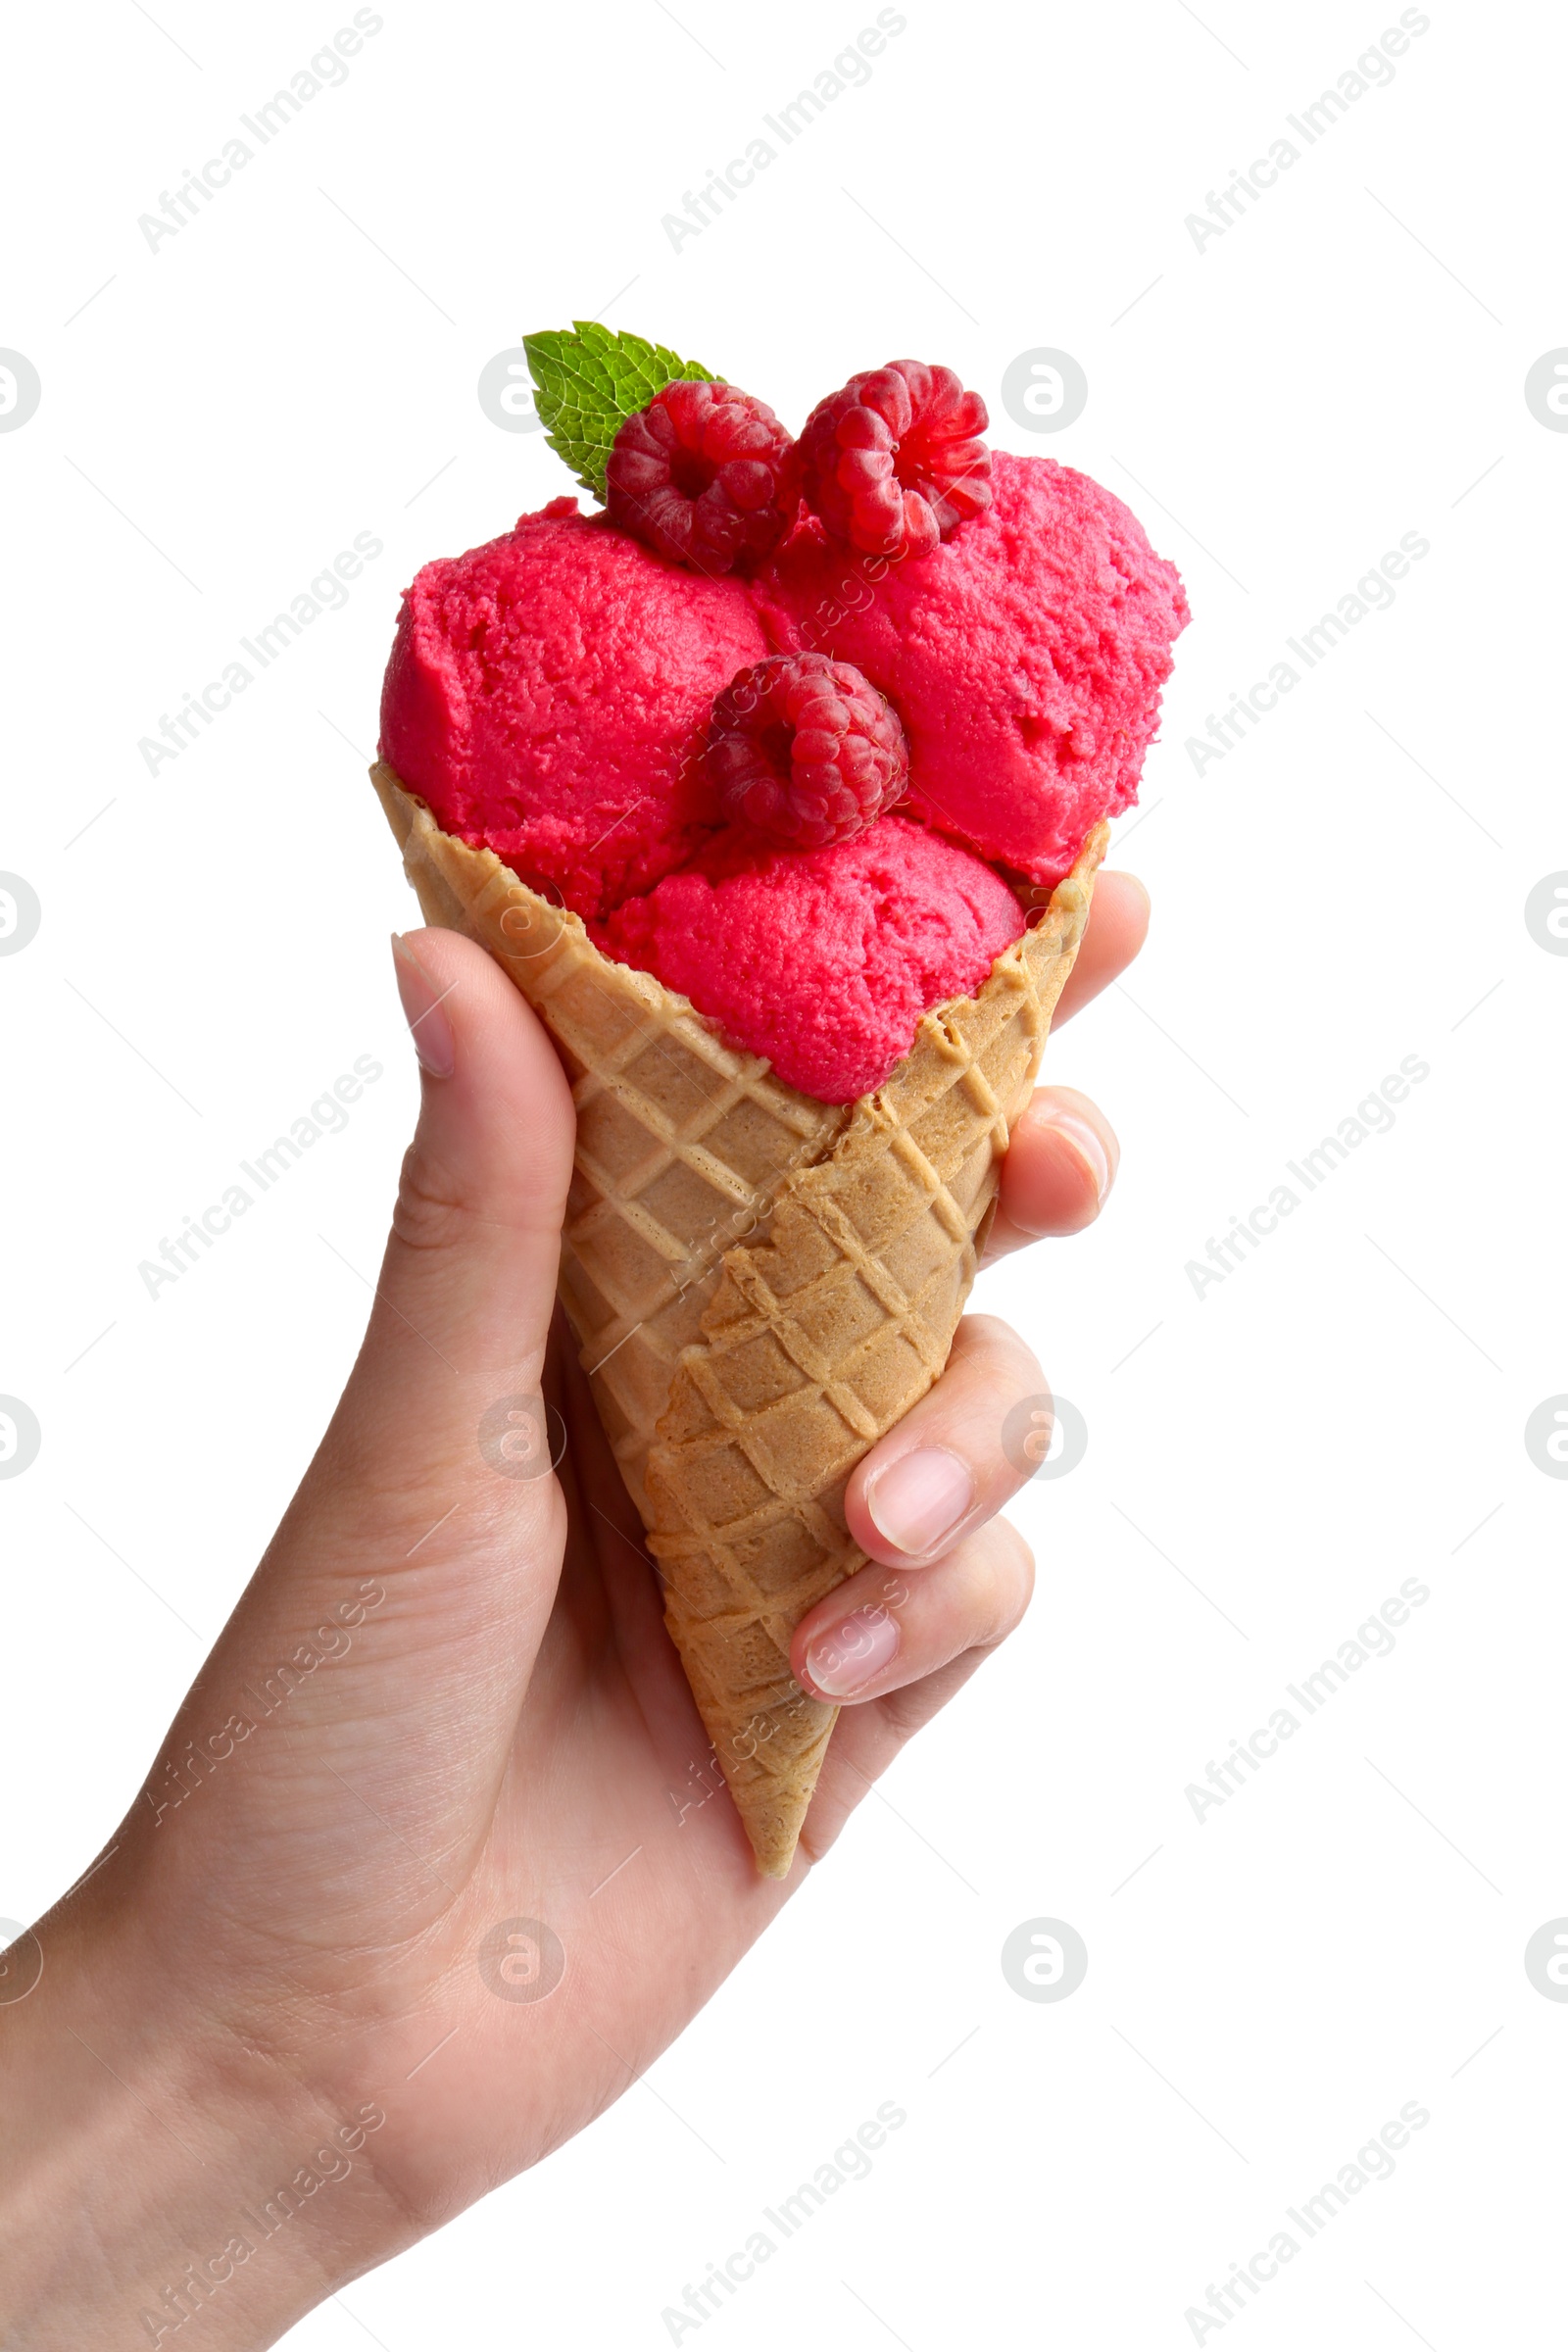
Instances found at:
x=153 y=2170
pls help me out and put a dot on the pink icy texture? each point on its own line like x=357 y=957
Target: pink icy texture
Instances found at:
x=546 y=696
x=824 y=960
x=549 y=695
x=1025 y=656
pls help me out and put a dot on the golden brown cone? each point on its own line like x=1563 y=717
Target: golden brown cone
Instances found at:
x=760 y=1284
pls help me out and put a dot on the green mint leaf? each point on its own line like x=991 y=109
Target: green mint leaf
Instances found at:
x=588 y=382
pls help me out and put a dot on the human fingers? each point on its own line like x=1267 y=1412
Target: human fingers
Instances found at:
x=889 y=1627
x=867 y=1738
x=945 y=1468
x=1059 y=1168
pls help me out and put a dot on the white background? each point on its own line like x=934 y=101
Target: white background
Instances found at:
x=1266 y=1462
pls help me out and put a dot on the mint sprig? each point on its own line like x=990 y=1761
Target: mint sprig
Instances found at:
x=588 y=382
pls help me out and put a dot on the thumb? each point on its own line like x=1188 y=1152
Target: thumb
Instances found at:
x=406 y=1526
x=467 y=1286
x=446 y=1390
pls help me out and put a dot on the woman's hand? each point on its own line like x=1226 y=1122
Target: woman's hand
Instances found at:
x=436 y=1859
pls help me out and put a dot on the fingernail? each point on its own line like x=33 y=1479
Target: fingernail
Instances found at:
x=919 y=1498
x=428 y=1026
x=854 y=1653
x=1088 y=1146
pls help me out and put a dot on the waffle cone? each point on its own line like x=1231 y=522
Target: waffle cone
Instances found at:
x=761 y=1285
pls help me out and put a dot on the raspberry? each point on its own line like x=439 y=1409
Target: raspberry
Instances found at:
x=892 y=464
x=805 y=751
x=695 y=475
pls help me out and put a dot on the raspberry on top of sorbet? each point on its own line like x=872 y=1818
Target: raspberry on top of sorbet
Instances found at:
x=691 y=719
x=1024 y=656
x=805 y=751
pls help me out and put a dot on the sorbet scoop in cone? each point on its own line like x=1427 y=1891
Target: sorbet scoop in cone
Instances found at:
x=794 y=730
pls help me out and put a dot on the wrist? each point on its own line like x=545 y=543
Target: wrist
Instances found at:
x=158 y=2168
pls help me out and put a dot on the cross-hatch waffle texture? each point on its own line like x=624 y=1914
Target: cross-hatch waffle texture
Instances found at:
x=761 y=1285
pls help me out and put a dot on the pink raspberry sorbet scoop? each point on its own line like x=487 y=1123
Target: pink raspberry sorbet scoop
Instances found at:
x=1025 y=656
x=822 y=961
x=548 y=694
